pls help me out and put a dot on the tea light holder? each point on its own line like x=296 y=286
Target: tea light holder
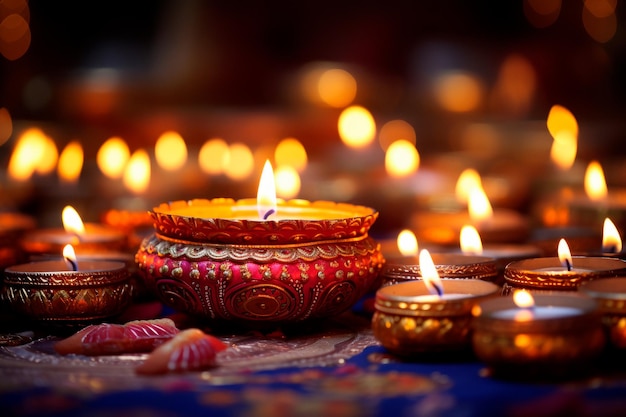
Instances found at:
x=610 y=293
x=51 y=294
x=547 y=274
x=560 y=338
x=408 y=320
x=449 y=265
x=214 y=259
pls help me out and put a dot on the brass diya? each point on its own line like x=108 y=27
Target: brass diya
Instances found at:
x=215 y=260
x=610 y=293
x=547 y=274
x=49 y=293
x=408 y=320
x=448 y=265
x=516 y=344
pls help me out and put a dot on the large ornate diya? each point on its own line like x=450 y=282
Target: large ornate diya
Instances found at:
x=216 y=259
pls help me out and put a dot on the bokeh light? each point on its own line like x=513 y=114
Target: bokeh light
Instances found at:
x=137 y=173
x=458 y=91
x=214 y=156
x=394 y=130
x=240 y=162
x=112 y=157
x=357 y=128
x=170 y=151
x=401 y=159
x=290 y=152
x=71 y=162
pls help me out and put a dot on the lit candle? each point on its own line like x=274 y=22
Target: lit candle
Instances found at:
x=432 y=281
x=495 y=225
x=547 y=336
x=86 y=238
x=448 y=265
x=260 y=261
x=564 y=273
x=471 y=244
x=429 y=315
x=67 y=293
x=526 y=309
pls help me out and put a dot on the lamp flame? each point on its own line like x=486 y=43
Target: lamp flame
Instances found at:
x=266 y=194
x=595 y=184
x=136 y=175
x=72 y=223
x=70 y=257
x=611 y=240
x=525 y=301
x=470 y=241
x=565 y=256
x=467 y=181
x=563 y=127
x=430 y=274
x=479 y=206
x=407 y=243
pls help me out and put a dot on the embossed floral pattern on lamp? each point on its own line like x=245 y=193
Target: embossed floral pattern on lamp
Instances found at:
x=262 y=260
x=64 y=294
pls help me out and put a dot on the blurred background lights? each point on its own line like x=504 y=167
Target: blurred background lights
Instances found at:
x=290 y=152
x=28 y=152
x=112 y=157
x=71 y=162
x=287 y=182
x=15 y=36
x=515 y=86
x=401 y=158
x=136 y=176
x=50 y=155
x=458 y=91
x=6 y=125
x=214 y=156
x=542 y=13
x=599 y=20
x=394 y=130
x=337 y=87
x=324 y=83
x=240 y=162
x=357 y=128
x=170 y=151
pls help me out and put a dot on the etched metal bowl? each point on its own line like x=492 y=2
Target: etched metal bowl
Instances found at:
x=541 y=275
x=448 y=265
x=409 y=321
x=213 y=259
x=610 y=293
x=538 y=347
x=48 y=293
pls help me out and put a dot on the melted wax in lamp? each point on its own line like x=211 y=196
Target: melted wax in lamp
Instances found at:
x=527 y=310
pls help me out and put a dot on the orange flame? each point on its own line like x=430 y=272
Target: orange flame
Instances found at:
x=429 y=273
x=470 y=241
x=565 y=256
x=266 y=194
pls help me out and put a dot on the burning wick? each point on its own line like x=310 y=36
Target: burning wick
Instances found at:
x=72 y=264
x=70 y=257
x=430 y=274
x=568 y=264
x=438 y=288
x=565 y=255
x=268 y=213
